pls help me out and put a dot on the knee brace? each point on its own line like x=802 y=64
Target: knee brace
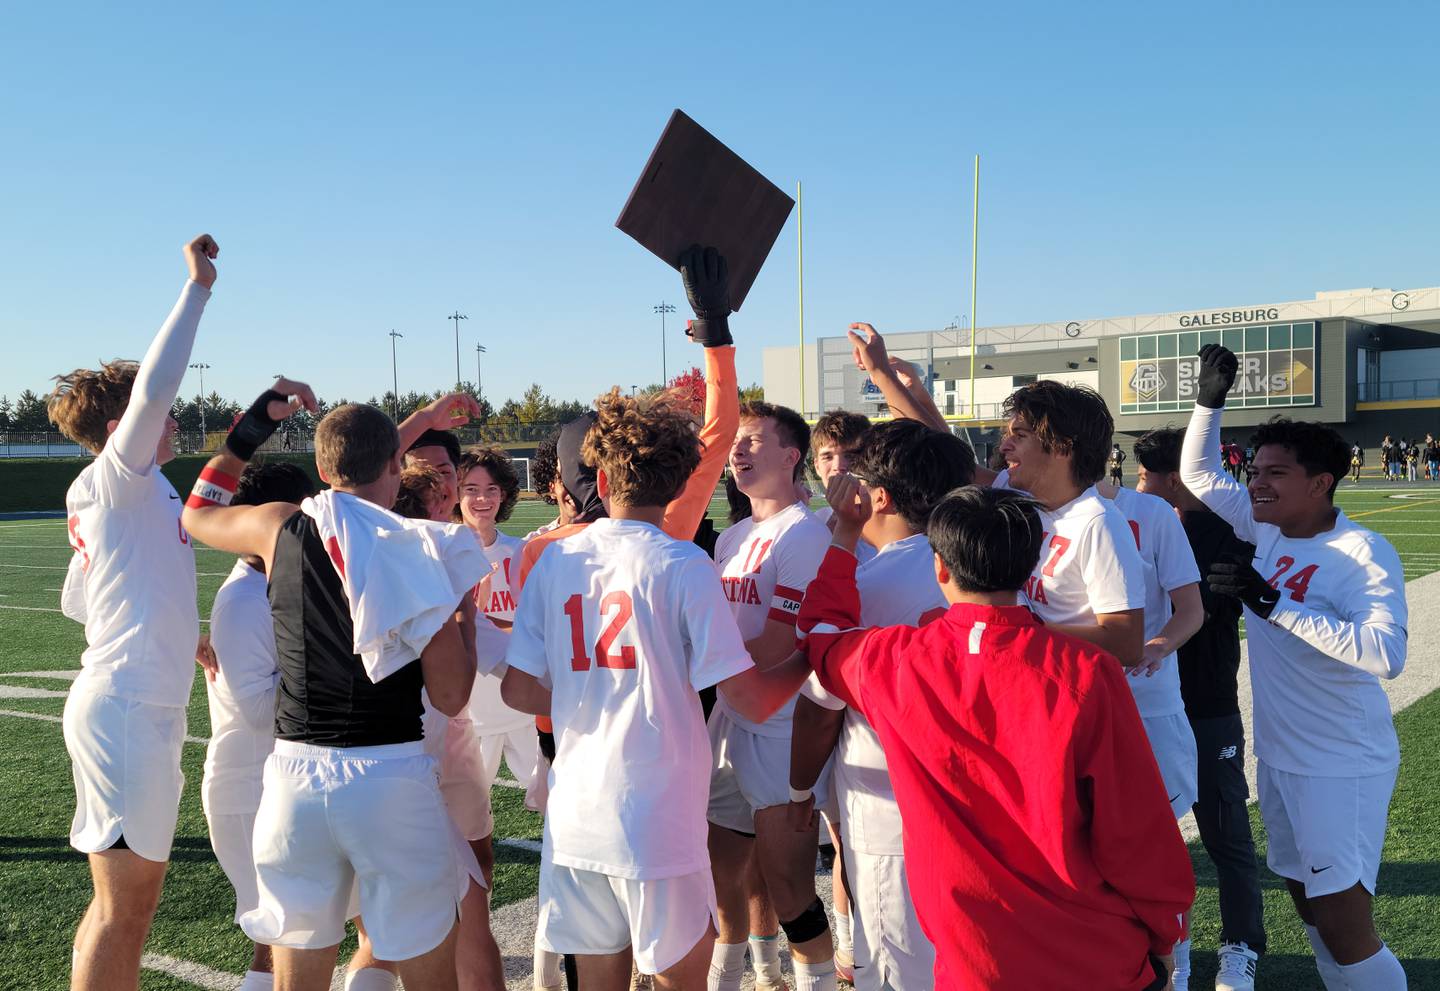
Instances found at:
x=807 y=925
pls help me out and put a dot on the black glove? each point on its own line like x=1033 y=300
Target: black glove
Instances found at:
x=1218 y=366
x=707 y=285
x=1235 y=576
x=254 y=426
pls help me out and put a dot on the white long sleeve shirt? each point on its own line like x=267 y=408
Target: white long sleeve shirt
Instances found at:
x=131 y=580
x=1339 y=626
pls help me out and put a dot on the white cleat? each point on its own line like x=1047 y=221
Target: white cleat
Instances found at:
x=1237 y=968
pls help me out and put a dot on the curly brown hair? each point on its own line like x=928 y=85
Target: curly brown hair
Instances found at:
x=421 y=486
x=84 y=402
x=646 y=446
x=495 y=461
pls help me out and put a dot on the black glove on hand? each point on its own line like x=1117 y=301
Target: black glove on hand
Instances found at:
x=254 y=427
x=1218 y=366
x=707 y=285
x=1235 y=576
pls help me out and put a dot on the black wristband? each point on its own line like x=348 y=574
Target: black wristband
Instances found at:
x=254 y=426
x=712 y=332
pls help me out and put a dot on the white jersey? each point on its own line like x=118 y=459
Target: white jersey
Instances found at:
x=491 y=715
x=864 y=550
x=1340 y=623
x=131 y=580
x=1169 y=564
x=897 y=587
x=1088 y=563
x=242 y=707
x=625 y=625
x=765 y=569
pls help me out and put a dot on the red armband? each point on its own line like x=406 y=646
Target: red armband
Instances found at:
x=212 y=488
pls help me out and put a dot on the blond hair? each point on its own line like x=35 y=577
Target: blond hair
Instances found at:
x=647 y=446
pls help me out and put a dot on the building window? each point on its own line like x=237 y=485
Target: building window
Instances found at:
x=1277 y=367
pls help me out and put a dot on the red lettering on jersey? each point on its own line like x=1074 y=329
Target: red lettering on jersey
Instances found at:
x=333 y=546
x=756 y=556
x=1300 y=581
x=501 y=601
x=1284 y=562
x=1135 y=529
x=1035 y=590
x=931 y=615
x=1058 y=546
x=741 y=589
x=579 y=661
x=73 y=525
x=620 y=601
x=506 y=565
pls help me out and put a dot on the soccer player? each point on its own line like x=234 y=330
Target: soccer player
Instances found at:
x=350 y=794
x=617 y=630
x=765 y=561
x=545 y=482
x=489 y=489
x=1117 y=462
x=1040 y=850
x=1090 y=580
x=241 y=698
x=131 y=581
x=907 y=469
x=1209 y=665
x=1325 y=617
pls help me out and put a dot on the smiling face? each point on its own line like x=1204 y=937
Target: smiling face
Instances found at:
x=833 y=459
x=1280 y=491
x=480 y=499
x=438 y=458
x=1025 y=456
x=763 y=465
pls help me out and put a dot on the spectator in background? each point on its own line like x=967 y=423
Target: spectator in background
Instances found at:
x=1116 y=463
x=1432 y=458
x=1387 y=450
x=1412 y=462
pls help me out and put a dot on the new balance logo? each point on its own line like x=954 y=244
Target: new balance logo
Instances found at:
x=1227 y=753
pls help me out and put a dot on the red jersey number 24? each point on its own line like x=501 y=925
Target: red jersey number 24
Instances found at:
x=1297 y=583
x=615 y=611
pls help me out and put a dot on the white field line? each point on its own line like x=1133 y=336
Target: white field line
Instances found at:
x=194 y=973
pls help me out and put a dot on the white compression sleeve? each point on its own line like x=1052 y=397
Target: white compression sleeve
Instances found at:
x=158 y=381
x=1200 y=471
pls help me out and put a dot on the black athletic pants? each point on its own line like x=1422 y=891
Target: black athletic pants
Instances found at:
x=1224 y=823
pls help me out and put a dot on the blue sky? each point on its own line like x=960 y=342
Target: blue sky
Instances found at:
x=373 y=166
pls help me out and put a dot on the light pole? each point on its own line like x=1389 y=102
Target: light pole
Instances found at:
x=457 y=316
x=632 y=392
x=394 y=377
x=663 y=308
x=200 y=367
x=479 y=389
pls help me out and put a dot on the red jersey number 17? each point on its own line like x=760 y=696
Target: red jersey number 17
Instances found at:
x=619 y=610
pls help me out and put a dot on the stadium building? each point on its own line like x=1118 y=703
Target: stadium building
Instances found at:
x=1367 y=359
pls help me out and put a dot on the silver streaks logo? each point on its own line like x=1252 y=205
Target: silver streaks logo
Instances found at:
x=1147 y=381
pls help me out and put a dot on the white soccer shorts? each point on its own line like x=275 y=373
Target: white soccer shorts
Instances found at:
x=332 y=818
x=1326 y=833
x=463 y=781
x=232 y=837
x=748 y=772
x=125 y=759
x=521 y=750
x=661 y=920
x=1173 y=743
x=890 y=949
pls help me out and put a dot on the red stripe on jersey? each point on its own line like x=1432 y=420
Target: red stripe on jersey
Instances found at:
x=221 y=478
x=781 y=616
x=333 y=546
x=786 y=592
x=199 y=502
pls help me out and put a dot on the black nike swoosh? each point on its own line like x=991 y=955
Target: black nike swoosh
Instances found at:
x=174 y=497
x=1317 y=870
x=1174 y=796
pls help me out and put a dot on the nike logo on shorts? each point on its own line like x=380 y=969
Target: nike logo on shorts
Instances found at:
x=1174 y=796
x=1317 y=870
x=174 y=497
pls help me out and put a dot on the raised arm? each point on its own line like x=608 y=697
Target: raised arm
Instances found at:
x=208 y=514
x=890 y=375
x=449 y=411
x=722 y=419
x=158 y=381
x=1199 y=464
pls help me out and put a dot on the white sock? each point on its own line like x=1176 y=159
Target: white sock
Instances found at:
x=256 y=980
x=1181 y=974
x=1381 y=972
x=765 y=958
x=814 y=976
x=727 y=966
x=549 y=968
x=844 y=935
x=1330 y=974
x=370 y=979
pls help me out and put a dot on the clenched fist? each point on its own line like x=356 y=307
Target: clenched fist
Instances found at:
x=199 y=255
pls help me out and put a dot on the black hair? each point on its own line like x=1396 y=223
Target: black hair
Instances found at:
x=275 y=481
x=1159 y=450
x=1067 y=419
x=915 y=464
x=439 y=438
x=988 y=539
x=544 y=469
x=1318 y=449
